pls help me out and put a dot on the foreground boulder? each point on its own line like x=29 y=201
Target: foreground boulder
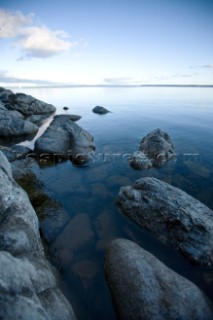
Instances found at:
x=66 y=138
x=100 y=110
x=156 y=148
x=25 y=104
x=28 y=287
x=11 y=126
x=15 y=152
x=21 y=114
x=142 y=287
x=177 y=219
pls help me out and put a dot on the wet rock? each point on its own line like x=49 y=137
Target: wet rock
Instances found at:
x=66 y=138
x=65 y=108
x=14 y=126
x=74 y=117
x=38 y=119
x=28 y=287
x=77 y=235
x=142 y=287
x=14 y=113
x=51 y=214
x=176 y=218
x=25 y=104
x=15 y=152
x=155 y=150
x=100 y=110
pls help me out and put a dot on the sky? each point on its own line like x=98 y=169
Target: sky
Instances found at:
x=113 y=42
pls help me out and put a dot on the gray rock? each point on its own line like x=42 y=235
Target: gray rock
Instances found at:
x=100 y=110
x=13 y=126
x=142 y=287
x=51 y=213
x=25 y=104
x=28 y=287
x=38 y=119
x=177 y=219
x=15 y=152
x=66 y=138
x=156 y=148
x=65 y=108
x=11 y=113
x=74 y=117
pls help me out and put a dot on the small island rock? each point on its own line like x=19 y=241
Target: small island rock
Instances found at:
x=156 y=148
x=100 y=110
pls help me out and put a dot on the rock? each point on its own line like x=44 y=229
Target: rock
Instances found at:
x=25 y=104
x=77 y=234
x=28 y=287
x=14 y=113
x=140 y=161
x=155 y=150
x=38 y=119
x=65 y=108
x=100 y=110
x=66 y=138
x=15 y=152
x=177 y=219
x=142 y=287
x=74 y=117
x=51 y=213
x=13 y=126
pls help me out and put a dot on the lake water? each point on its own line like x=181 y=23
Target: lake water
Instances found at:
x=187 y=115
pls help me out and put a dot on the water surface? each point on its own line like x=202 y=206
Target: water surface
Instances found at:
x=187 y=115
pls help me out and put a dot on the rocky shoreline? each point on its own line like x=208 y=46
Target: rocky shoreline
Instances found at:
x=141 y=286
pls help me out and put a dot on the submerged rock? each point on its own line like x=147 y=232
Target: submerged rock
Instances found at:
x=155 y=150
x=176 y=218
x=100 y=110
x=66 y=138
x=142 y=287
x=28 y=287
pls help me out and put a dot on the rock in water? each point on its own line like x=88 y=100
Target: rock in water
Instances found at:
x=176 y=218
x=66 y=138
x=155 y=150
x=25 y=104
x=142 y=287
x=100 y=110
x=13 y=126
x=28 y=287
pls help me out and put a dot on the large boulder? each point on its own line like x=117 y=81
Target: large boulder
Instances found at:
x=15 y=152
x=156 y=148
x=25 y=104
x=28 y=286
x=11 y=126
x=66 y=138
x=142 y=287
x=177 y=219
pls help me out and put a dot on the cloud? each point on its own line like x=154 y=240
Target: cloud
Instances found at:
x=5 y=77
x=207 y=66
x=34 y=41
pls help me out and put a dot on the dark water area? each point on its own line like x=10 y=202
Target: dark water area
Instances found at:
x=88 y=193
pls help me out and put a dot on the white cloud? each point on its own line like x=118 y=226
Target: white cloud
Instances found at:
x=6 y=77
x=13 y=24
x=207 y=66
x=42 y=42
x=34 y=41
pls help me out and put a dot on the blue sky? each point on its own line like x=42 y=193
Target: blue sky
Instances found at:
x=106 y=42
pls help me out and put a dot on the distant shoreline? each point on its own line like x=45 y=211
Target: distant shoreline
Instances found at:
x=114 y=86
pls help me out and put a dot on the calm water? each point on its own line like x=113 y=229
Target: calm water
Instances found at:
x=187 y=115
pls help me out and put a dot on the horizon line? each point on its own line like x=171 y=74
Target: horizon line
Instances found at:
x=108 y=85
